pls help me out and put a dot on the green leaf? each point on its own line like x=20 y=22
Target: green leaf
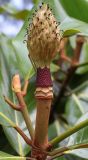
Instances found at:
x=4 y=145
x=81 y=137
x=61 y=158
x=35 y=1
x=21 y=54
x=7 y=8
x=6 y=120
x=70 y=32
x=73 y=41
x=73 y=157
x=54 y=67
x=5 y=156
x=14 y=60
x=74 y=24
x=74 y=109
x=77 y=104
x=51 y=128
x=21 y=14
x=11 y=11
x=83 y=59
x=77 y=9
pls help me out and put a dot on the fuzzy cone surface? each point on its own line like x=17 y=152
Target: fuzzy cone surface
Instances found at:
x=43 y=37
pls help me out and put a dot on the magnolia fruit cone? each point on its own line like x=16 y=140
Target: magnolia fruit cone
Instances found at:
x=43 y=37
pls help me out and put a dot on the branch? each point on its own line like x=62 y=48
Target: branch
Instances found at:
x=77 y=89
x=11 y=104
x=72 y=68
x=79 y=43
x=27 y=140
x=13 y=125
x=69 y=75
x=24 y=91
x=82 y=64
x=25 y=114
x=62 y=51
x=16 y=86
x=64 y=150
x=69 y=132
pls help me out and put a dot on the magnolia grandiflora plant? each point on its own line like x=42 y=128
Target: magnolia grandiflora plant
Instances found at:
x=43 y=42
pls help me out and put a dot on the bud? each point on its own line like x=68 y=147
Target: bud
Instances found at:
x=16 y=85
x=43 y=37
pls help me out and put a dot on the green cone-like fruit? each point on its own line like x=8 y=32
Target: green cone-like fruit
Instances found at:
x=43 y=37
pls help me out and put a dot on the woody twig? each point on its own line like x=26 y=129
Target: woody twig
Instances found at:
x=73 y=67
x=16 y=86
x=62 y=51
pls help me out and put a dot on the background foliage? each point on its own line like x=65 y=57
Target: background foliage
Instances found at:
x=14 y=59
